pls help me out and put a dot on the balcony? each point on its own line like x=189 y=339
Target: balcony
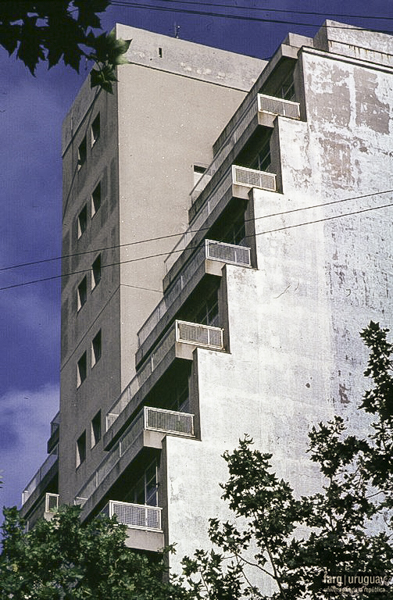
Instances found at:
x=250 y=178
x=147 y=430
x=135 y=516
x=235 y=183
x=179 y=342
x=212 y=191
x=278 y=107
x=262 y=111
x=143 y=523
x=40 y=475
x=212 y=255
x=44 y=510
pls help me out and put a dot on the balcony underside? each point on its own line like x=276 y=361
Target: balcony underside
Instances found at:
x=144 y=531
x=150 y=541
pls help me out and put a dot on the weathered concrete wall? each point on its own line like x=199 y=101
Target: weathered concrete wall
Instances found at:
x=169 y=105
x=348 y=40
x=194 y=61
x=79 y=406
x=324 y=255
x=168 y=120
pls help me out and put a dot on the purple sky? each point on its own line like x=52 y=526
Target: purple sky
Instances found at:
x=31 y=113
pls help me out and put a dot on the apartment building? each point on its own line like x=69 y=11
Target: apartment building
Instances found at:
x=227 y=232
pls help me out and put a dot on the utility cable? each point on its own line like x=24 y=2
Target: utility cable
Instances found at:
x=192 y=231
x=272 y=10
x=230 y=16
x=132 y=260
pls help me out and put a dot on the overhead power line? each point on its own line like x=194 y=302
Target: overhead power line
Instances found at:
x=179 y=233
x=132 y=260
x=271 y=10
x=126 y=4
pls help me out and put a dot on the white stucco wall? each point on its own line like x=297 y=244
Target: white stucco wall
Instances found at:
x=324 y=252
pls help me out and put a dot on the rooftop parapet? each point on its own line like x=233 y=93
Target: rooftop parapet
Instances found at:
x=354 y=42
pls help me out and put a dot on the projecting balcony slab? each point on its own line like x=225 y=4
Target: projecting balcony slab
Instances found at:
x=210 y=259
x=151 y=541
x=179 y=342
x=42 y=481
x=143 y=524
x=146 y=430
x=44 y=509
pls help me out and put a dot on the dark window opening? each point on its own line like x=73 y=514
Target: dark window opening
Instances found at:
x=172 y=390
x=262 y=161
x=95 y=130
x=96 y=272
x=96 y=429
x=82 y=153
x=208 y=312
x=256 y=153
x=81 y=449
x=287 y=89
x=96 y=349
x=82 y=293
x=145 y=489
x=96 y=200
x=82 y=369
x=82 y=221
x=236 y=233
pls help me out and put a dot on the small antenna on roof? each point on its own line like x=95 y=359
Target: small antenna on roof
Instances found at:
x=177 y=29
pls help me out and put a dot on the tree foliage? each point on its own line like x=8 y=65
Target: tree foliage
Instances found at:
x=303 y=545
x=64 y=559
x=61 y=30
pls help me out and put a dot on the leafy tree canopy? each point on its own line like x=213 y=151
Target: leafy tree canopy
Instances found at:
x=64 y=559
x=61 y=30
x=307 y=546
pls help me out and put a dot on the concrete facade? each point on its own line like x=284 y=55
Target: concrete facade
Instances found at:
x=266 y=343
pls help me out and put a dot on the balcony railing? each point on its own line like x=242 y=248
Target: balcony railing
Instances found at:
x=169 y=421
x=136 y=383
x=199 y=335
x=264 y=103
x=135 y=516
x=234 y=176
x=192 y=334
x=39 y=476
x=148 y=419
x=253 y=178
x=228 y=253
x=278 y=106
x=48 y=504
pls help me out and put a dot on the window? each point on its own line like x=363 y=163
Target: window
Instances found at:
x=81 y=449
x=180 y=397
x=96 y=429
x=236 y=233
x=145 y=489
x=82 y=221
x=263 y=161
x=208 y=314
x=96 y=349
x=82 y=369
x=95 y=130
x=82 y=153
x=198 y=172
x=286 y=89
x=82 y=293
x=96 y=200
x=96 y=272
